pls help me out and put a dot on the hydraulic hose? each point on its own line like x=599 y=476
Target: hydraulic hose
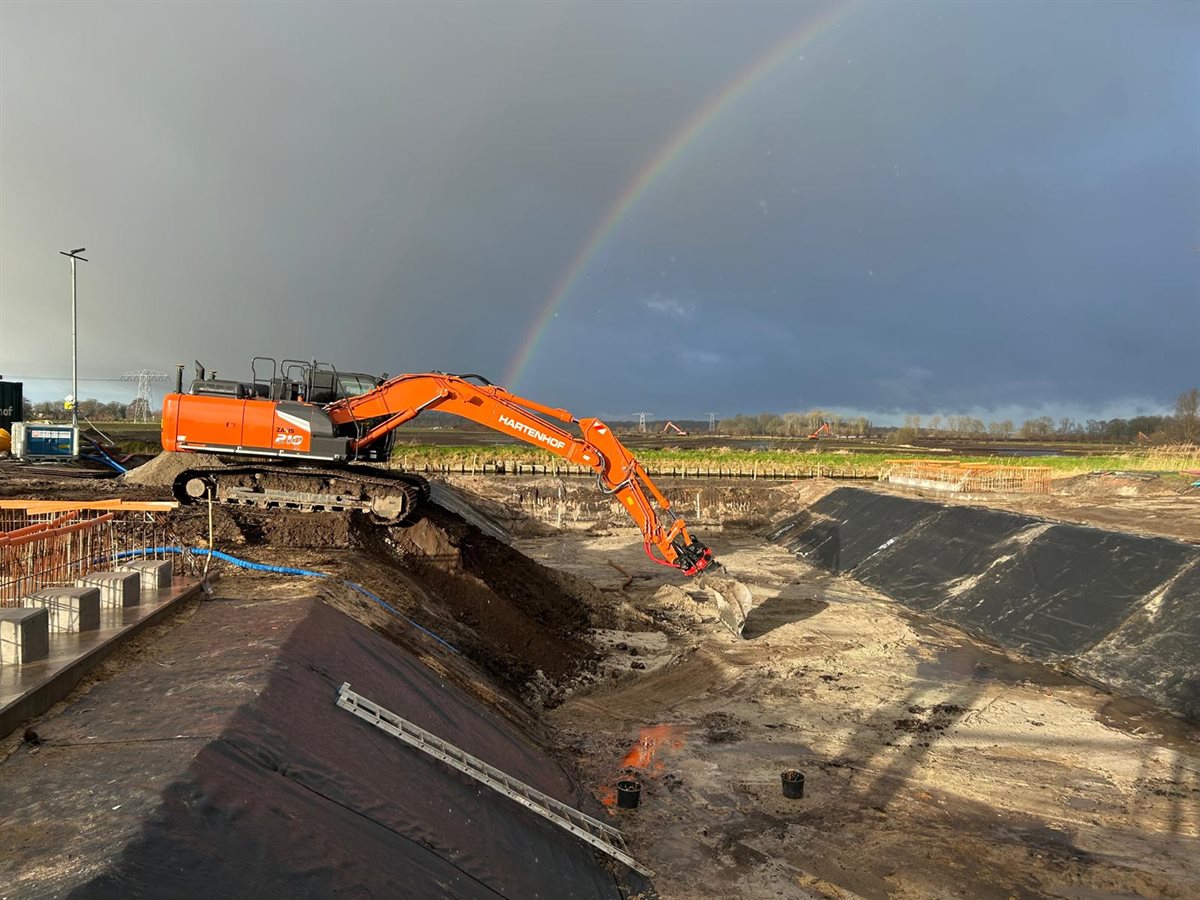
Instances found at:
x=284 y=570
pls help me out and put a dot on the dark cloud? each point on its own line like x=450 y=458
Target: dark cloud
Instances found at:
x=929 y=207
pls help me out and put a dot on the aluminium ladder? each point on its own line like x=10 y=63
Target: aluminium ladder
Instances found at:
x=603 y=837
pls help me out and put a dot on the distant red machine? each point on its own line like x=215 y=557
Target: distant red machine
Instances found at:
x=671 y=426
x=823 y=431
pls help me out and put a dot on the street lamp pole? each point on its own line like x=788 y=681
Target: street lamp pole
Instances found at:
x=74 y=255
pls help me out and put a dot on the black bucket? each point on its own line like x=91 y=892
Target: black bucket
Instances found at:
x=793 y=784
x=628 y=794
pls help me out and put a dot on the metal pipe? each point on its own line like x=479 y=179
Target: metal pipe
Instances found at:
x=74 y=353
x=74 y=256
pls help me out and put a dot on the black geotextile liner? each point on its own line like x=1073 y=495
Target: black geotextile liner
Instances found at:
x=299 y=798
x=1156 y=654
x=1065 y=590
x=1101 y=602
x=848 y=526
x=957 y=543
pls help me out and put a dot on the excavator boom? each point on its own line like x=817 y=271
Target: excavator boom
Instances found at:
x=618 y=472
x=236 y=418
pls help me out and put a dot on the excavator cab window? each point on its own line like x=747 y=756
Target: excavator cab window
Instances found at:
x=303 y=380
x=355 y=385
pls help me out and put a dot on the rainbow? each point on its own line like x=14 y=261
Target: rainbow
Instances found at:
x=658 y=163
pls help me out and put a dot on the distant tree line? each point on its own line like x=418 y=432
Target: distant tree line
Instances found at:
x=1183 y=426
x=54 y=411
x=795 y=424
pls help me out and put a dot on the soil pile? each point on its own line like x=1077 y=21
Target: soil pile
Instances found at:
x=1108 y=485
x=517 y=617
x=163 y=469
x=234 y=527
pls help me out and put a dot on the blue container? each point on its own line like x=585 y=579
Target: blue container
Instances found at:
x=32 y=441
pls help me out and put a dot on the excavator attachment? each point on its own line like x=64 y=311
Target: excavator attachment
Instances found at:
x=734 y=600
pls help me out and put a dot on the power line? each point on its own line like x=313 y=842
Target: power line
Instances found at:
x=144 y=379
x=18 y=377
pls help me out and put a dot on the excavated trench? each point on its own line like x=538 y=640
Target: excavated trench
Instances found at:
x=951 y=704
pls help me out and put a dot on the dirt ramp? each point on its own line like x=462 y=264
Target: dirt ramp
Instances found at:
x=1114 y=607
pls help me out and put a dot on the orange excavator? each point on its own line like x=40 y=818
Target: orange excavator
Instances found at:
x=315 y=423
x=823 y=431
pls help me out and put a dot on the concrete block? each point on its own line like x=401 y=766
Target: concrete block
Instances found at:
x=72 y=609
x=155 y=573
x=117 y=589
x=24 y=635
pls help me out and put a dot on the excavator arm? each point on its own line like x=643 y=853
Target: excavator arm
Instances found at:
x=618 y=473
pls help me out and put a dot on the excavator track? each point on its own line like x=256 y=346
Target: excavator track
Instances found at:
x=387 y=497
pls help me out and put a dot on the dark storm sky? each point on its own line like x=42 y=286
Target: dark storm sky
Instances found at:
x=924 y=207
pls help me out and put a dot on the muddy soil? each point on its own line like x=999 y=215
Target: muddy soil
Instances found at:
x=519 y=617
x=519 y=621
x=22 y=480
x=935 y=766
x=235 y=527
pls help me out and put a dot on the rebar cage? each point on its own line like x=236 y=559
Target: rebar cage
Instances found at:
x=48 y=548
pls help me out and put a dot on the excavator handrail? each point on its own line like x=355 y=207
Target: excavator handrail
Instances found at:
x=402 y=398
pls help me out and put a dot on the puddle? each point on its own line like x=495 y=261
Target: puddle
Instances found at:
x=1140 y=718
x=979 y=664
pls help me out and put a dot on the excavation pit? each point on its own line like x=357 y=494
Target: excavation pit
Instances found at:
x=950 y=763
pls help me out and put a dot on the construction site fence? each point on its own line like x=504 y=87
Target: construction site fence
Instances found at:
x=52 y=549
x=736 y=470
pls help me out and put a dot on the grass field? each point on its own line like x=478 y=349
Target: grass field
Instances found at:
x=417 y=456
x=436 y=449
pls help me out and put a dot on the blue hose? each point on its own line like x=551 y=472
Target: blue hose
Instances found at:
x=283 y=570
x=106 y=459
x=362 y=590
